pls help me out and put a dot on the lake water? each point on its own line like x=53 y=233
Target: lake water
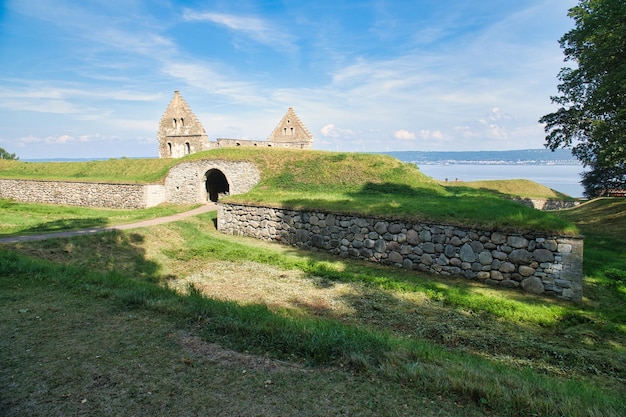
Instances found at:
x=563 y=178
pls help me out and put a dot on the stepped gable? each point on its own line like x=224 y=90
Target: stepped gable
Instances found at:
x=180 y=132
x=291 y=132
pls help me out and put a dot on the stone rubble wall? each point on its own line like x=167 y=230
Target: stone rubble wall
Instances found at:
x=545 y=204
x=185 y=184
x=86 y=194
x=535 y=262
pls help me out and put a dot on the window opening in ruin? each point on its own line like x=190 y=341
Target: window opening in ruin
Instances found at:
x=182 y=122
x=216 y=184
x=169 y=148
x=292 y=131
x=285 y=131
x=173 y=122
x=187 y=147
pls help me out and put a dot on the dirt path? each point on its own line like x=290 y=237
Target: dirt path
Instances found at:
x=145 y=223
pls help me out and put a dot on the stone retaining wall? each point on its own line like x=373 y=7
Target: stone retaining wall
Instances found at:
x=535 y=262
x=545 y=204
x=86 y=194
x=185 y=184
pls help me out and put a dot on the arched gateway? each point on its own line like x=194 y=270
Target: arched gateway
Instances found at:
x=216 y=184
x=197 y=182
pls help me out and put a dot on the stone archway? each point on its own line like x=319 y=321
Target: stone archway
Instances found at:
x=216 y=184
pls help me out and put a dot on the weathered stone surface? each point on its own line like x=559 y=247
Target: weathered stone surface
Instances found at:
x=526 y=271
x=507 y=267
x=517 y=242
x=507 y=283
x=381 y=228
x=426 y=259
x=543 y=255
x=520 y=257
x=533 y=285
x=476 y=246
x=429 y=247
x=412 y=237
x=483 y=275
x=467 y=253
x=449 y=250
x=485 y=258
x=396 y=258
x=395 y=228
x=496 y=275
x=498 y=238
x=499 y=255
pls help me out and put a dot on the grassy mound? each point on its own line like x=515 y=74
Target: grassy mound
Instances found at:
x=124 y=170
x=352 y=183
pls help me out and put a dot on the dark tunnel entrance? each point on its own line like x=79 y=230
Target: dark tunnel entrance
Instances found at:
x=216 y=184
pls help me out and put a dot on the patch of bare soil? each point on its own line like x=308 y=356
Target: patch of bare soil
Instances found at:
x=197 y=348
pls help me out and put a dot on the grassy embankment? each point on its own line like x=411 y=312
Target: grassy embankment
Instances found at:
x=340 y=182
x=151 y=301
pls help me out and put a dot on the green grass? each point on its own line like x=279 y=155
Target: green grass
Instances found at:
x=514 y=188
x=26 y=218
x=124 y=170
x=352 y=183
x=419 y=336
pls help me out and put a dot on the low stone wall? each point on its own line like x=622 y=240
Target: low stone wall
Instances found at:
x=185 y=183
x=86 y=194
x=547 y=205
x=535 y=262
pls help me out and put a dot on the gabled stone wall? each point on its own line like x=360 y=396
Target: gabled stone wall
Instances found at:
x=538 y=263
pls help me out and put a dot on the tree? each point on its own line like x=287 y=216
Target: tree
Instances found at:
x=592 y=116
x=6 y=155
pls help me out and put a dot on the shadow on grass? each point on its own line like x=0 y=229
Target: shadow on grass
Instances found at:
x=66 y=225
x=458 y=205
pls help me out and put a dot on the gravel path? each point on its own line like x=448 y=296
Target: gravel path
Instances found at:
x=145 y=223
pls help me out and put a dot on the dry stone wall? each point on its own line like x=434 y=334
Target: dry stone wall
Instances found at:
x=547 y=204
x=535 y=262
x=86 y=194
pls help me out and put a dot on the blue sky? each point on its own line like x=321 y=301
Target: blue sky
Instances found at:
x=92 y=78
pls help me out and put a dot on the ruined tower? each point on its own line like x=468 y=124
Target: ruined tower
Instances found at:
x=291 y=133
x=180 y=132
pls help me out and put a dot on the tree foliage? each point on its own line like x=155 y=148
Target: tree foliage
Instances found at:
x=6 y=155
x=592 y=116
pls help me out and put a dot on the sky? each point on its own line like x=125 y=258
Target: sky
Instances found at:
x=91 y=79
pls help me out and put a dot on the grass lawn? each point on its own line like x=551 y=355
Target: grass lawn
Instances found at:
x=179 y=319
x=26 y=218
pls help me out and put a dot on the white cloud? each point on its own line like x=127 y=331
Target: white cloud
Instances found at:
x=404 y=135
x=431 y=134
x=255 y=28
x=331 y=131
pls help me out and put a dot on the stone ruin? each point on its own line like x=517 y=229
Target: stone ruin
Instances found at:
x=181 y=133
